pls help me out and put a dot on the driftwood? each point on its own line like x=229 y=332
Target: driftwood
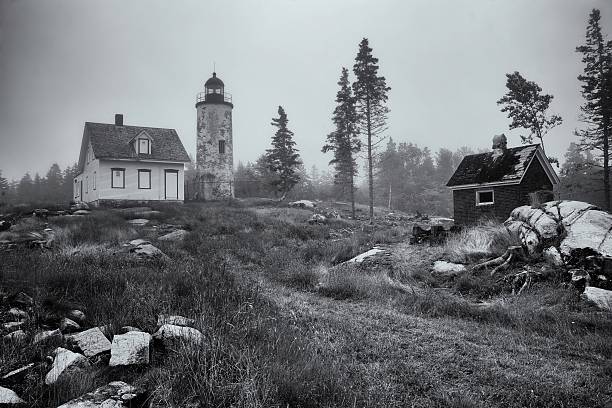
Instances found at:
x=502 y=262
x=522 y=280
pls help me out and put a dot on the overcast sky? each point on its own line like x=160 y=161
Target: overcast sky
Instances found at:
x=65 y=62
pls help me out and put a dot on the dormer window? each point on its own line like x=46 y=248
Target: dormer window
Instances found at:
x=144 y=146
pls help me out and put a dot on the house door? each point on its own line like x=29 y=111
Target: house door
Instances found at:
x=171 y=184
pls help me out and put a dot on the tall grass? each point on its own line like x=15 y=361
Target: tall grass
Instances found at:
x=486 y=239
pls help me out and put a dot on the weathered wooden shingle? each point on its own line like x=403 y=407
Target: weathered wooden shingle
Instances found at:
x=113 y=142
x=493 y=167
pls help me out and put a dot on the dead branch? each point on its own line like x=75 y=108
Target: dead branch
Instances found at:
x=502 y=262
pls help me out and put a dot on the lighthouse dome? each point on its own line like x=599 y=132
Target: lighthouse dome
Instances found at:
x=214 y=82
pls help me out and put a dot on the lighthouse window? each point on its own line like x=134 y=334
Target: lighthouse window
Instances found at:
x=221 y=146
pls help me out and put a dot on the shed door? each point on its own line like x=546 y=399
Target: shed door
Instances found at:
x=171 y=178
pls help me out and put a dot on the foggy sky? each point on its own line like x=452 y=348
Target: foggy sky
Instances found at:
x=65 y=62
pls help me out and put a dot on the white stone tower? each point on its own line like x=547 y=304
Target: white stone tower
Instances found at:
x=215 y=155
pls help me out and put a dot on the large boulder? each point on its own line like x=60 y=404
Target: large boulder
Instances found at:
x=601 y=297
x=65 y=363
x=172 y=335
x=130 y=348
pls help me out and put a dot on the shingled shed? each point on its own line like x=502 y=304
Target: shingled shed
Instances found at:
x=492 y=184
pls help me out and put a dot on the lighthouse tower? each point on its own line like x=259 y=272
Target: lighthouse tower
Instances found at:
x=214 y=157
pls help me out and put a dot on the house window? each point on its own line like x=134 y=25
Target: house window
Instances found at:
x=485 y=197
x=144 y=146
x=87 y=184
x=94 y=180
x=221 y=146
x=118 y=178
x=144 y=179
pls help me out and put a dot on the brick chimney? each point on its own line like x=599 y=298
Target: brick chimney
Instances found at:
x=118 y=119
x=500 y=144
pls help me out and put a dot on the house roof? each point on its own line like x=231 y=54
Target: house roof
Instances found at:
x=493 y=167
x=109 y=141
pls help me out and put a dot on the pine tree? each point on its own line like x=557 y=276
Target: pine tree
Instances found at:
x=25 y=189
x=596 y=112
x=283 y=158
x=344 y=140
x=370 y=91
x=4 y=189
x=527 y=107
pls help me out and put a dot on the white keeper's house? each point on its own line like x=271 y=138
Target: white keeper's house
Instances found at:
x=120 y=164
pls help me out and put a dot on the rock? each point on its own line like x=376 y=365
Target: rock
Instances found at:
x=65 y=363
x=91 y=342
x=361 y=257
x=67 y=325
x=579 y=278
x=139 y=241
x=130 y=348
x=16 y=336
x=12 y=325
x=552 y=256
x=9 y=397
x=303 y=204
x=317 y=219
x=22 y=299
x=126 y=329
x=80 y=205
x=48 y=336
x=18 y=313
x=81 y=212
x=601 y=297
x=147 y=251
x=591 y=230
x=171 y=335
x=175 y=320
x=138 y=221
x=448 y=267
x=76 y=315
x=177 y=235
x=544 y=224
x=116 y=394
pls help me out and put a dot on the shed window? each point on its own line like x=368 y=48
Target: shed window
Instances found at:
x=221 y=146
x=144 y=179
x=118 y=178
x=485 y=197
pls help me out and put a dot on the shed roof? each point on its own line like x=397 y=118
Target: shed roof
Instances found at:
x=494 y=167
x=110 y=141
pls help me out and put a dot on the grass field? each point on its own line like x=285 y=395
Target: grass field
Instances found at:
x=286 y=325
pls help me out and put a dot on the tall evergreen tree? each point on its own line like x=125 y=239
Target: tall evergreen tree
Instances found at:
x=25 y=189
x=344 y=140
x=596 y=112
x=4 y=189
x=283 y=158
x=370 y=91
x=527 y=107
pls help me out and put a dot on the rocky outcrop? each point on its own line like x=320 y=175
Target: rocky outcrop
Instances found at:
x=601 y=297
x=177 y=235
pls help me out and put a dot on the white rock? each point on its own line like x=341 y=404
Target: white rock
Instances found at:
x=317 y=219
x=139 y=241
x=130 y=348
x=542 y=222
x=138 y=221
x=48 y=336
x=8 y=397
x=174 y=320
x=171 y=335
x=177 y=235
x=590 y=230
x=148 y=251
x=81 y=212
x=303 y=204
x=65 y=363
x=552 y=256
x=91 y=342
x=601 y=297
x=448 y=267
x=361 y=257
